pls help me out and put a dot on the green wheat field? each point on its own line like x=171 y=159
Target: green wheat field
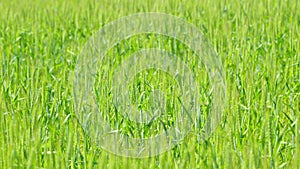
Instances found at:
x=258 y=43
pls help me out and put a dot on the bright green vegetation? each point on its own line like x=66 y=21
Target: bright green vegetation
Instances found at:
x=258 y=42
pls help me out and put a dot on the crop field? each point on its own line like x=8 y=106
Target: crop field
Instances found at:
x=50 y=108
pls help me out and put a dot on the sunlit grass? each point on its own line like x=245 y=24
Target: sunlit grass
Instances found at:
x=257 y=41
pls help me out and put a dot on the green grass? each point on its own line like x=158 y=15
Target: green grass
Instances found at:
x=257 y=41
